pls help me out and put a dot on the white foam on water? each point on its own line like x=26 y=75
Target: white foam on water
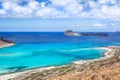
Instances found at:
x=79 y=49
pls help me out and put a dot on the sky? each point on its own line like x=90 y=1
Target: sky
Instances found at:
x=60 y=15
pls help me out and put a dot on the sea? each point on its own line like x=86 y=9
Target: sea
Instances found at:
x=41 y=49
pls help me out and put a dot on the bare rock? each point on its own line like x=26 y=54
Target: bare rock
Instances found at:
x=71 y=33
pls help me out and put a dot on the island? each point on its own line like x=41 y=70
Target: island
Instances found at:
x=5 y=43
x=117 y=31
x=72 y=33
x=95 y=34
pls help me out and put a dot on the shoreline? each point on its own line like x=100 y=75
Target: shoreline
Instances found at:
x=22 y=73
x=107 y=55
x=7 y=45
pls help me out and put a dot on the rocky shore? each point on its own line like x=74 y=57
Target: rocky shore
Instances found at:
x=106 y=68
x=5 y=43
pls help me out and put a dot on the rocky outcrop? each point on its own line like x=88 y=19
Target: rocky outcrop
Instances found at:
x=71 y=33
x=4 y=40
x=5 y=43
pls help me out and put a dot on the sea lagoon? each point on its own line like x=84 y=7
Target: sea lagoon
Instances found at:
x=34 y=49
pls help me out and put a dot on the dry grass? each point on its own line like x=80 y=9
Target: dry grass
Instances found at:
x=102 y=70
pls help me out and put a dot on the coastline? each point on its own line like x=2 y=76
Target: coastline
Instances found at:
x=7 y=45
x=22 y=73
x=107 y=55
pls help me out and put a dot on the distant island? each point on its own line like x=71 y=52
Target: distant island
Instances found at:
x=5 y=43
x=117 y=31
x=72 y=33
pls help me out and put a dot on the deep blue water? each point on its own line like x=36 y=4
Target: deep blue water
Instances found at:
x=38 y=49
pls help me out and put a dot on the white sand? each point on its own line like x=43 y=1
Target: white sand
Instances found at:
x=13 y=75
x=6 y=45
x=106 y=55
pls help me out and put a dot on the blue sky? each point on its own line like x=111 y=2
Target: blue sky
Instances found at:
x=59 y=15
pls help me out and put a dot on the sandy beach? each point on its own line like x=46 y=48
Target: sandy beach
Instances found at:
x=28 y=72
x=23 y=74
x=4 y=44
x=106 y=55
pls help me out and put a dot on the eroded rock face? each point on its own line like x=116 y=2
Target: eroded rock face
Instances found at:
x=71 y=33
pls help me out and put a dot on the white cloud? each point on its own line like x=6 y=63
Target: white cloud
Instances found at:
x=6 y=5
x=104 y=1
x=33 y=5
x=74 y=8
x=2 y=12
x=93 y=4
x=98 y=25
x=44 y=12
x=62 y=2
x=101 y=9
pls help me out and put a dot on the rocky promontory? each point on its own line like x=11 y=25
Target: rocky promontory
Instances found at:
x=5 y=43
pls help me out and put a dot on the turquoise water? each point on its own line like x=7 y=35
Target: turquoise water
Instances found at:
x=26 y=56
x=34 y=50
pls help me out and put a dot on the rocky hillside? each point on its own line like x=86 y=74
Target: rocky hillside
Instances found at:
x=100 y=70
